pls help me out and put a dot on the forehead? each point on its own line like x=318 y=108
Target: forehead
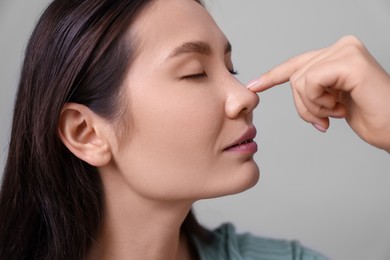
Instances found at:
x=166 y=24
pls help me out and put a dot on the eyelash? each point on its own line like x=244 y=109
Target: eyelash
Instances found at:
x=204 y=75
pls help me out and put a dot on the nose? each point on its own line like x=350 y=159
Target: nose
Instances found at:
x=240 y=101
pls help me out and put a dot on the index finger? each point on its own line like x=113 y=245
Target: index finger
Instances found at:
x=281 y=73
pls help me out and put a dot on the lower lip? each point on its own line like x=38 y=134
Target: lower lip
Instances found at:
x=248 y=148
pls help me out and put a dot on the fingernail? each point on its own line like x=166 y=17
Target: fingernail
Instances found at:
x=319 y=127
x=253 y=83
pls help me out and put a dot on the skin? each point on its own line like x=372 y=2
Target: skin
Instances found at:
x=180 y=124
x=341 y=81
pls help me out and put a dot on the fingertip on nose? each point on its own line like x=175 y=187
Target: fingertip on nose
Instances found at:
x=252 y=84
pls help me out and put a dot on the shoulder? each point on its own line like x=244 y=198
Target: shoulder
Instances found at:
x=227 y=244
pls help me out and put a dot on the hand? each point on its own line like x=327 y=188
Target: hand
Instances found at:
x=341 y=81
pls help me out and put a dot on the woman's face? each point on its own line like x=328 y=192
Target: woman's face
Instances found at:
x=186 y=109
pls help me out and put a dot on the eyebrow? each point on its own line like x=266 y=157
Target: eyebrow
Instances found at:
x=198 y=47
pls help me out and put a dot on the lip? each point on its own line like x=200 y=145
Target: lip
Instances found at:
x=244 y=144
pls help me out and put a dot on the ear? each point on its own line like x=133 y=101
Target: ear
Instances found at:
x=85 y=134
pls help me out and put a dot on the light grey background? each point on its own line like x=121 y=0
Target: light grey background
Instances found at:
x=330 y=191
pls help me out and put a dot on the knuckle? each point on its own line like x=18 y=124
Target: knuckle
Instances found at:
x=351 y=40
x=352 y=43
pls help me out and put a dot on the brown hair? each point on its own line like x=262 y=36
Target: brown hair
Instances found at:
x=50 y=200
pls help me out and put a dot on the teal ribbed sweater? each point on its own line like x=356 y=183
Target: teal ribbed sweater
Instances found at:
x=227 y=245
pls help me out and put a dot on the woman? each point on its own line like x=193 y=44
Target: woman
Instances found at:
x=127 y=112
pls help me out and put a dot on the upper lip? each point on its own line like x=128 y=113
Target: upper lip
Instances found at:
x=249 y=135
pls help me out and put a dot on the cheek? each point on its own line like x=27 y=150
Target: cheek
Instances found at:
x=174 y=148
x=180 y=119
x=174 y=141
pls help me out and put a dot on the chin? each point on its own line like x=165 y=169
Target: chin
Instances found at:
x=238 y=183
x=247 y=180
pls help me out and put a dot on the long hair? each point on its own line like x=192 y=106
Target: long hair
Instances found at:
x=51 y=202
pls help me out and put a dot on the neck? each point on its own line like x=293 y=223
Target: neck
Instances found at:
x=134 y=227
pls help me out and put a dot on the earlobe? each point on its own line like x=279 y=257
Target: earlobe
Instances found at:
x=83 y=133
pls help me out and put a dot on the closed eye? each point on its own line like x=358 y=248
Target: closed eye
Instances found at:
x=204 y=75
x=195 y=76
